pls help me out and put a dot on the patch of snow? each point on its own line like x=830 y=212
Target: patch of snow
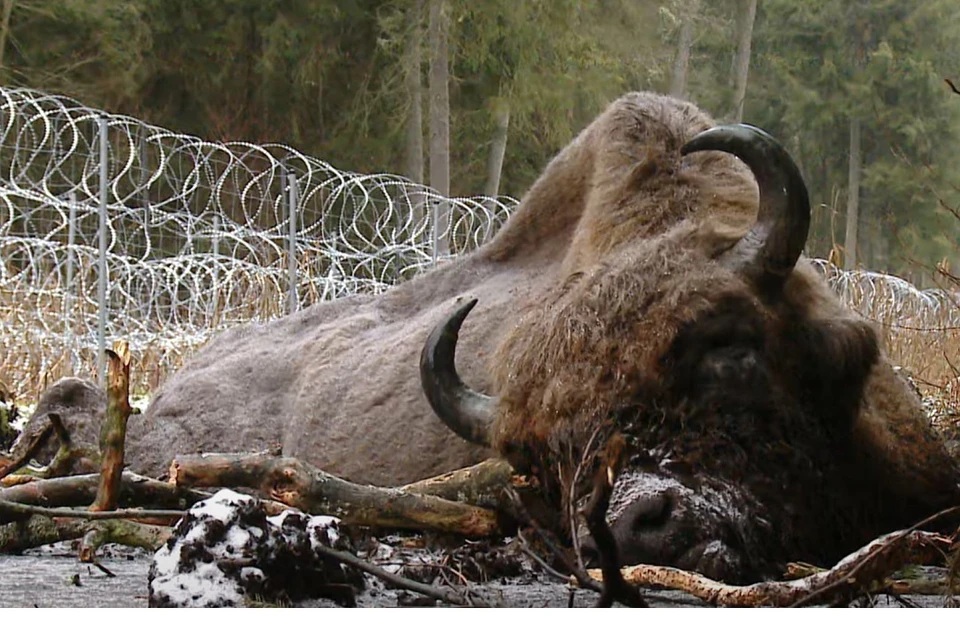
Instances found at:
x=24 y=411
x=226 y=549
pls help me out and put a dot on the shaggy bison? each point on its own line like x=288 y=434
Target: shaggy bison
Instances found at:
x=762 y=421
x=645 y=287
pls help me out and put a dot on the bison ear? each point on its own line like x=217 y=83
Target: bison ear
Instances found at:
x=468 y=413
x=767 y=254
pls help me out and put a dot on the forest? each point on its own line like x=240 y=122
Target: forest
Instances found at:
x=475 y=97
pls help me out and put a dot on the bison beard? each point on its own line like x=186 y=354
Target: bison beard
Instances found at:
x=735 y=376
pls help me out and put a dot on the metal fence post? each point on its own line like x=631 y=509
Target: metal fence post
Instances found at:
x=215 y=279
x=102 y=278
x=292 y=300
x=436 y=234
x=67 y=295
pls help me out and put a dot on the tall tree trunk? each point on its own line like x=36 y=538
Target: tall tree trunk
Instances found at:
x=853 y=197
x=498 y=148
x=745 y=20
x=413 y=162
x=678 y=79
x=440 y=124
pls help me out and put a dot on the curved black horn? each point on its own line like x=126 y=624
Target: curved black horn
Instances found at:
x=468 y=413
x=769 y=251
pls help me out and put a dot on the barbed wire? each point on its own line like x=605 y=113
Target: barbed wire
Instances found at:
x=893 y=302
x=201 y=236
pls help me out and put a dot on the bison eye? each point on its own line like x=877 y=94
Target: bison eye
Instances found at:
x=733 y=364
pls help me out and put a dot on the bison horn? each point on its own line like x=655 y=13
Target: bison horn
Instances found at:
x=468 y=413
x=767 y=254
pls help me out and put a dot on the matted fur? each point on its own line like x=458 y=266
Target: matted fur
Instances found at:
x=644 y=333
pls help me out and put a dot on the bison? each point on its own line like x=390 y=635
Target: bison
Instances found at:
x=762 y=421
x=650 y=285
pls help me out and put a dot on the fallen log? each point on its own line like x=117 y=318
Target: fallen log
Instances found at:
x=312 y=490
x=863 y=571
x=74 y=491
x=38 y=530
x=12 y=511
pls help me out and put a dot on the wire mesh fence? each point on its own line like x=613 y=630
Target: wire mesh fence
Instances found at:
x=190 y=236
x=114 y=228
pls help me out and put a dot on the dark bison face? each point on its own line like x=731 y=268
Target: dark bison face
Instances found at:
x=734 y=376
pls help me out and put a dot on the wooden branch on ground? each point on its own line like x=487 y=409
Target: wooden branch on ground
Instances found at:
x=311 y=490
x=850 y=576
x=38 y=530
x=446 y=595
x=73 y=491
x=133 y=534
x=481 y=485
x=13 y=511
x=113 y=432
x=25 y=449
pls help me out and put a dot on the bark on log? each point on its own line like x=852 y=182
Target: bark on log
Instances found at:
x=863 y=570
x=133 y=534
x=37 y=531
x=481 y=485
x=113 y=433
x=309 y=489
x=74 y=491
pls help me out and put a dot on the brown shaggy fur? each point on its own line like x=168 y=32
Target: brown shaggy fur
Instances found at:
x=645 y=334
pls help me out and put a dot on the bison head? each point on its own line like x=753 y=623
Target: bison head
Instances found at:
x=763 y=423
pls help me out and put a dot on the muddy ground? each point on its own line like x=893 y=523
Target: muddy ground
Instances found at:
x=53 y=577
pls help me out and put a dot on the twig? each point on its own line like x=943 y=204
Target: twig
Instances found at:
x=571 y=497
x=615 y=588
x=952 y=86
x=583 y=577
x=527 y=549
x=903 y=601
x=446 y=595
x=915 y=548
x=30 y=510
x=850 y=576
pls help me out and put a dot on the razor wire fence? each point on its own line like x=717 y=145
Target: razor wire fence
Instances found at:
x=111 y=227
x=114 y=228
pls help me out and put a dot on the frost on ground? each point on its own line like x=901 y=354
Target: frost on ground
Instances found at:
x=227 y=551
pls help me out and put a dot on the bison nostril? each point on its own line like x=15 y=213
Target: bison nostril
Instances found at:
x=649 y=511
